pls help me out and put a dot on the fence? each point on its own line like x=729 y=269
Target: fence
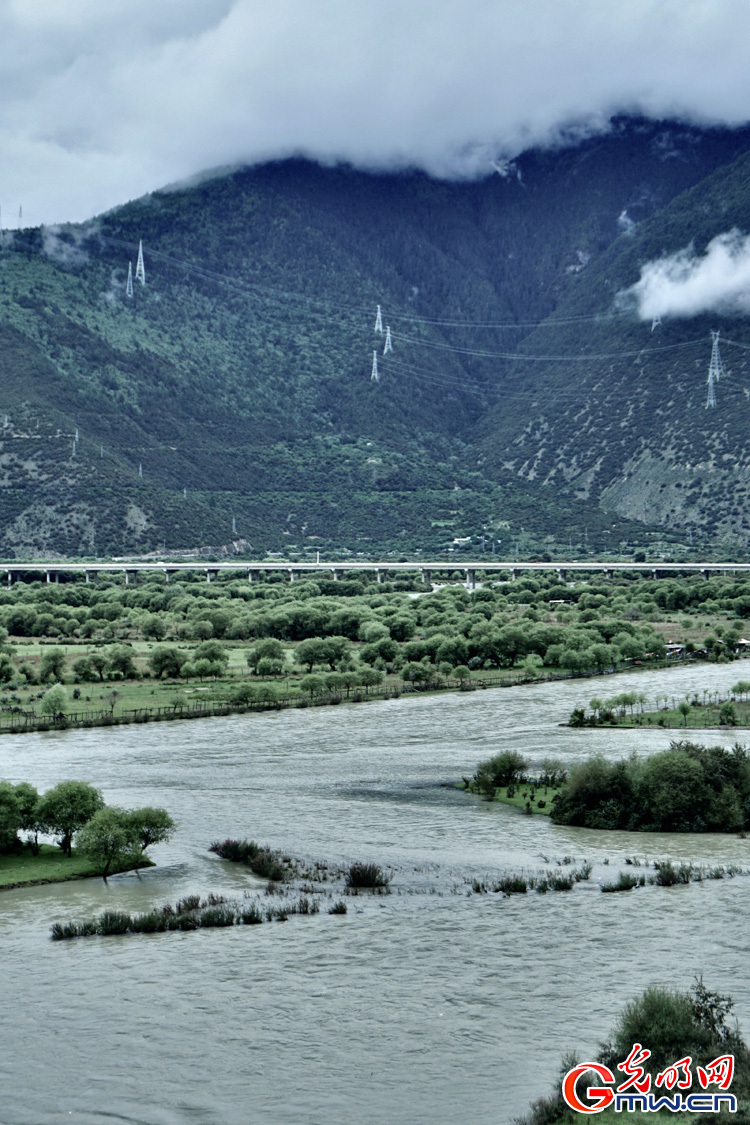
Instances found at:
x=19 y=721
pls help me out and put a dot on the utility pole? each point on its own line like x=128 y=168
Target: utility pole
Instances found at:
x=140 y=269
x=715 y=370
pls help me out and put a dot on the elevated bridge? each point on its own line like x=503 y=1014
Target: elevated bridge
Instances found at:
x=429 y=571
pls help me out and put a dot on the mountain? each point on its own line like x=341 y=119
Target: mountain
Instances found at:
x=229 y=401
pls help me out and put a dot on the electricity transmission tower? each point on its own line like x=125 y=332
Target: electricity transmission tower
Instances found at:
x=388 y=346
x=140 y=269
x=374 y=377
x=129 y=285
x=715 y=370
x=655 y=322
x=379 y=322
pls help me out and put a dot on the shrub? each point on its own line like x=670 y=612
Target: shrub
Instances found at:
x=366 y=875
x=114 y=922
x=217 y=916
x=511 y=885
x=252 y=916
x=154 y=921
x=559 y=882
x=338 y=908
x=63 y=931
x=624 y=882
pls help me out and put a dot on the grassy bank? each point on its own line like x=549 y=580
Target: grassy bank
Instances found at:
x=24 y=869
x=699 y=710
x=535 y=802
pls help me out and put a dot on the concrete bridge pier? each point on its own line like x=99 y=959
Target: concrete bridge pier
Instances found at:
x=379 y=574
x=95 y=574
x=471 y=580
x=209 y=573
x=427 y=577
x=291 y=575
x=336 y=574
x=131 y=577
x=562 y=575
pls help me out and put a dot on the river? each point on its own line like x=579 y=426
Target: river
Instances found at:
x=430 y=1004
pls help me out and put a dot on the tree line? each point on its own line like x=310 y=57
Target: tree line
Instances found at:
x=75 y=810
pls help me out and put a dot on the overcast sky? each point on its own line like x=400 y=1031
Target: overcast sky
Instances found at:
x=103 y=100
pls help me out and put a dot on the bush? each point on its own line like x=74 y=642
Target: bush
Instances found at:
x=366 y=875
x=624 y=882
x=503 y=769
x=338 y=908
x=114 y=922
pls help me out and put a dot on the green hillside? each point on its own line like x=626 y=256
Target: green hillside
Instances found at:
x=229 y=404
x=631 y=433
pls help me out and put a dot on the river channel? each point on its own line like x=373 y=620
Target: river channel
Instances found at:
x=430 y=1004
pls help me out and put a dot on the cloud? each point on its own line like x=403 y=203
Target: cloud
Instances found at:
x=101 y=102
x=686 y=284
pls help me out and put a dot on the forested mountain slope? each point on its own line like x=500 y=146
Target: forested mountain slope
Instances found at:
x=628 y=428
x=231 y=399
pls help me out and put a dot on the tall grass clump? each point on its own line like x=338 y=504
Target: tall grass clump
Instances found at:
x=114 y=922
x=366 y=876
x=261 y=861
x=667 y=875
x=624 y=882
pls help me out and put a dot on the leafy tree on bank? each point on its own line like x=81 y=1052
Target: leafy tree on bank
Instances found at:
x=66 y=808
x=109 y=839
x=54 y=701
x=9 y=816
x=166 y=660
x=151 y=826
x=28 y=811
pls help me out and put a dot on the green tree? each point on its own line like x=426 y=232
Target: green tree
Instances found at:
x=83 y=670
x=154 y=627
x=314 y=684
x=166 y=660
x=109 y=839
x=214 y=652
x=10 y=816
x=67 y=807
x=54 y=701
x=151 y=826
x=99 y=663
x=684 y=708
x=267 y=649
x=52 y=664
x=28 y=809
x=728 y=715
x=121 y=661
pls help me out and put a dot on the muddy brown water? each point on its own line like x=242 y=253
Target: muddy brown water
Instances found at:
x=427 y=1005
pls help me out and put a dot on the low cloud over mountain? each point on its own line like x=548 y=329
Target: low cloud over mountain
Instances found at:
x=102 y=102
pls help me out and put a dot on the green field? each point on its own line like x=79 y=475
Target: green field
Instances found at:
x=51 y=866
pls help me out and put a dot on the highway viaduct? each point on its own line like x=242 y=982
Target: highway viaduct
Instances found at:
x=428 y=570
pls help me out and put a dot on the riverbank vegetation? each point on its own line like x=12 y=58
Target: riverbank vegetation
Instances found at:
x=108 y=839
x=671 y=1024
x=92 y=653
x=698 y=709
x=687 y=788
